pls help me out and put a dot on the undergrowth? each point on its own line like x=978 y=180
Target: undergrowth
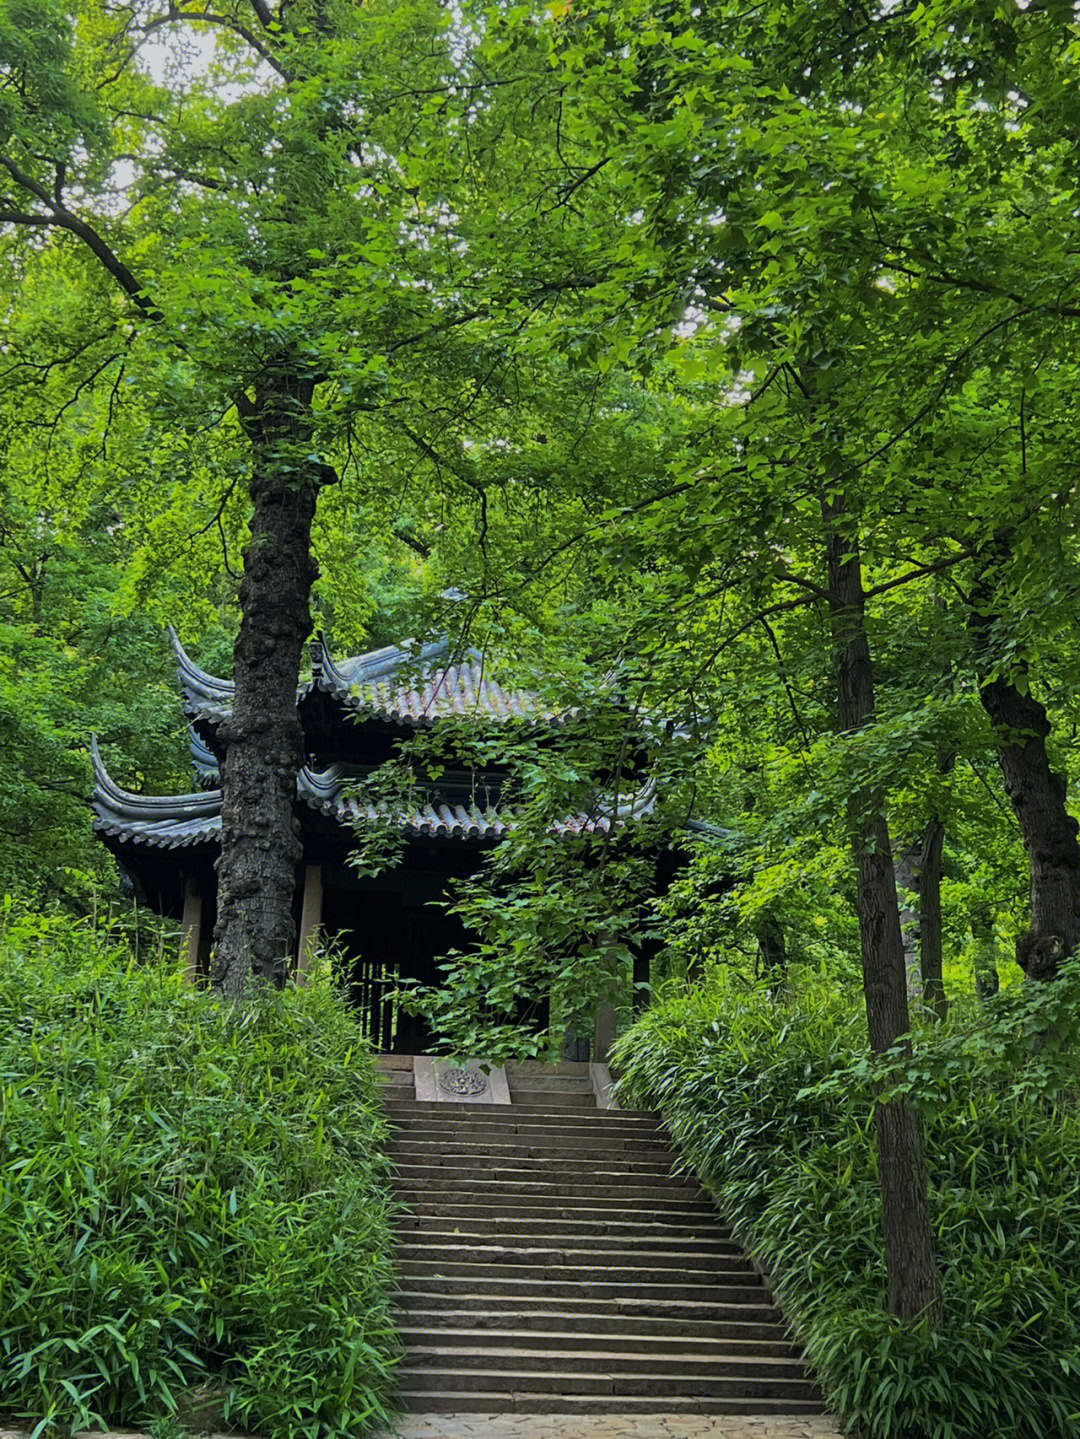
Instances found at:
x=770 y=1101
x=192 y=1197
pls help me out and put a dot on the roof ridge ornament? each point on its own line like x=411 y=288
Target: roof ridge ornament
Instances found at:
x=203 y=760
x=206 y=696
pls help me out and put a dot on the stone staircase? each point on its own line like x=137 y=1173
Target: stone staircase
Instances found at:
x=550 y=1263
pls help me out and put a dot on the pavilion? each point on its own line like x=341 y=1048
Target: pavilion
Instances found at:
x=355 y=714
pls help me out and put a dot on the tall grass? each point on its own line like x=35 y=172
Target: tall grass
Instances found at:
x=190 y=1196
x=771 y=1103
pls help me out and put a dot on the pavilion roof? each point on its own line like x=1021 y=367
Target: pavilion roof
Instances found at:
x=177 y=821
x=412 y=685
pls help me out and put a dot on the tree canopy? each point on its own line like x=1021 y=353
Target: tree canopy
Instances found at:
x=727 y=351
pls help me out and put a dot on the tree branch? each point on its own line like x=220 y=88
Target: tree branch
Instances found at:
x=60 y=216
x=919 y=572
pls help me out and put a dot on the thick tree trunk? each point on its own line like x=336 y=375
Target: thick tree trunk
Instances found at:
x=260 y=844
x=914 y=1289
x=1037 y=793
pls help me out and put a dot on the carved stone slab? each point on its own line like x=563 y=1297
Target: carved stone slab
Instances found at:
x=440 y=1081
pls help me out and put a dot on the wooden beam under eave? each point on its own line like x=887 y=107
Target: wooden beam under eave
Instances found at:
x=310 y=920
x=192 y=923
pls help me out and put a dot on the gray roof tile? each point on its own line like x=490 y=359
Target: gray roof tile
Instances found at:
x=409 y=684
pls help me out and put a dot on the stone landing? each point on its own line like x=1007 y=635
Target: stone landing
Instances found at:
x=611 y=1426
x=429 y=1080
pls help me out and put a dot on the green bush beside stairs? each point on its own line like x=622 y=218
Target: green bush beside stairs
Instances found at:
x=191 y=1196
x=770 y=1102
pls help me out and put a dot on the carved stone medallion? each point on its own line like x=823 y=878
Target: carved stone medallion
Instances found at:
x=452 y=1080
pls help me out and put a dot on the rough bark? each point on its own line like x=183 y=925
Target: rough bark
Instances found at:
x=913 y=1285
x=1037 y=793
x=260 y=844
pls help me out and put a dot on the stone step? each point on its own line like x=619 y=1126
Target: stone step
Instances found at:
x=547 y=1136
x=602 y=1240
x=526 y=1068
x=661 y=1195
x=421 y=1328
x=705 y=1258
x=560 y=1281
x=425 y=1111
x=508 y=1285
x=518 y=1357
x=466 y=1401
x=603 y=1174
x=572 y=1140
x=483 y=1205
x=652 y=1380
x=468 y=1219
x=519 y=1162
x=554 y=1096
x=624 y=1303
x=517 y=1113
x=495 y=1147
x=550 y=1195
x=580 y=1128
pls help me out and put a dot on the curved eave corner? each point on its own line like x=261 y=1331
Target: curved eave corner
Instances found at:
x=205 y=695
x=167 y=821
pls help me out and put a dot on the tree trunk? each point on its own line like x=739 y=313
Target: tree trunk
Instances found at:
x=260 y=844
x=772 y=957
x=1037 y=793
x=918 y=874
x=914 y=1289
x=930 y=943
x=908 y=885
x=987 y=982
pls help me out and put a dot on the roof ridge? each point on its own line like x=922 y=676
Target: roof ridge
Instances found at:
x=400 y=682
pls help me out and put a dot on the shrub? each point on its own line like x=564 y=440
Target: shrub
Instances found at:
x=771 y=1103
x=190 y=1196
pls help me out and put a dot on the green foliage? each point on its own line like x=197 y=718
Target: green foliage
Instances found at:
x=772 y=1103
x=191 y=1197
x=554 y=906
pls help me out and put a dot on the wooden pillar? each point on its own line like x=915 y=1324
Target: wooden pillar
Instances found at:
x=606 y=1030
x=192 y=922
x=310 y=919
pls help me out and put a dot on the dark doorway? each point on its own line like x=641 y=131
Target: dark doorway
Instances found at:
x=368 y=927
x=388 y=931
